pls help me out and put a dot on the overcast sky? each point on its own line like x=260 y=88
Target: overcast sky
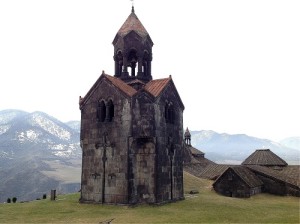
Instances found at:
x=235 y=64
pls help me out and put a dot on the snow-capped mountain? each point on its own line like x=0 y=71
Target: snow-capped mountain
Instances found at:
x=226 y=148
x=74 y=124
x=38 y=153
x=37 y=129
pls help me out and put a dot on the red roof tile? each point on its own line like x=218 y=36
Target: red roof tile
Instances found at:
x=156 y=86
x=128 y=90
x=121 y=85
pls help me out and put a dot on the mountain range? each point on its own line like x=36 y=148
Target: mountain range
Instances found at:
x=233 y=149
x=39 y=153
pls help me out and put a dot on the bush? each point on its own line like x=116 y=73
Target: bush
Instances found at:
x=8 y=200
x=14 y=200
x=44 y=196
x=194 y=192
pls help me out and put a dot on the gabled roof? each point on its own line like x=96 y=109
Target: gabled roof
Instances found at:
x=275 y=174
x=156 y=87
x=135 y=81
x=264 y=157
x=195 y=151
x=213 y=171
x=247 y=176
x=292 y=171
x=118 y=83
x=127 y=89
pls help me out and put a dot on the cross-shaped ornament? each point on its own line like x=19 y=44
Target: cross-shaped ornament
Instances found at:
x=95 y=175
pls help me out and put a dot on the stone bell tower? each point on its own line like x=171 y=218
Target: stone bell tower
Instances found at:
x=132 y=128
x=133 y=51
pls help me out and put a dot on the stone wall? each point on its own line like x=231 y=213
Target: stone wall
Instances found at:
x=135 y=157
x=104 y=145
x=231 y=185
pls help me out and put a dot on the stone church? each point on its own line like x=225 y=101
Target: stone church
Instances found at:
x=132 y=128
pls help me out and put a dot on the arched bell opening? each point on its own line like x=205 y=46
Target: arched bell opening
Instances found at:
x=132 y=62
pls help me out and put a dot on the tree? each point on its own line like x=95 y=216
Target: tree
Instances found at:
x=8 y=200
x=14 y=199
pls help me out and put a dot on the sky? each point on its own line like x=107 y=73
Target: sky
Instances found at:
x=235 y=64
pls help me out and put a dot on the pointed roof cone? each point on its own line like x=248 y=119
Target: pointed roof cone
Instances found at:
x=132 y=23
x=264 y=157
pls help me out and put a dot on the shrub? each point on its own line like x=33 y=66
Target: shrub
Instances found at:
x=14 y=200
x=44 y=196
x=194 y=192
x=8 y=200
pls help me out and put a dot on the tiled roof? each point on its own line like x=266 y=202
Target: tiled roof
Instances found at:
x=156 y=86
x=126 y=89
x=291 y=171
x=264 y=157
x=132 y=23
x=197 y=166
x=121 y=85
x=247 y=175
x=213 y=171
x=195 y=151
x=135 y=81
x=276 y=174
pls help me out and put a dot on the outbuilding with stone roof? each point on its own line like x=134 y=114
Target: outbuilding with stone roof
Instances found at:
x=238 y=181
x=262 y=171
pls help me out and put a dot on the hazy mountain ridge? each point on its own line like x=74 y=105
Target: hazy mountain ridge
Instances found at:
x=292 y=142
x=37 y=153
x=225 y=148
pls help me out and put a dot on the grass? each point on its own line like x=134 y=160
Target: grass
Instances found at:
x=205 y=207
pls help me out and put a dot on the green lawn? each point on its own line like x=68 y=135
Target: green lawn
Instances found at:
x=205 y=207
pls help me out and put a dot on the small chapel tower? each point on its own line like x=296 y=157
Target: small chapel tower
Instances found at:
x=132 y=128
x=133 y=50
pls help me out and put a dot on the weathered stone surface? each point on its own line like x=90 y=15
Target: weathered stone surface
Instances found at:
x=132 y=131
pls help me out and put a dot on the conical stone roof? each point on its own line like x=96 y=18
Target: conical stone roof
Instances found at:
x=132 y=23
x=264 y=157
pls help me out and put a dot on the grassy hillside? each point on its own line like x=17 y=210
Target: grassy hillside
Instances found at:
x=205 y=207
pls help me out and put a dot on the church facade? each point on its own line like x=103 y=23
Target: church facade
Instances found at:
x=132 y=128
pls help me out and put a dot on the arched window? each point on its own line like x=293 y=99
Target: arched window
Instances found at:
x=101 y=111
x=110 y=111
x=119 y=63
x=132 y=61
x=169 y=113
x=145 y=63
x=166 y=113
